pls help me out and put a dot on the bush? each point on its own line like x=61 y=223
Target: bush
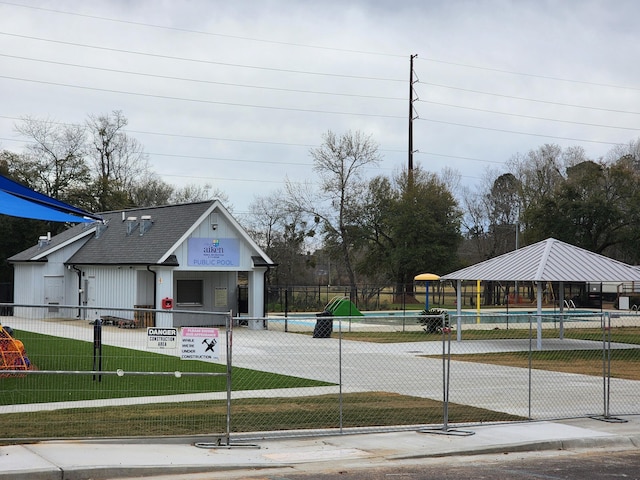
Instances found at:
x=432 y=321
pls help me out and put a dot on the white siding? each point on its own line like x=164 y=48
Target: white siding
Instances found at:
x=28 y=283
x=114 y=286
x=144 y=287
x=29 y=277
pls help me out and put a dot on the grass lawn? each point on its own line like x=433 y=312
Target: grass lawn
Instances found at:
x=618 y=335
x=54 y=353
x=248 y=415
x=624 y=363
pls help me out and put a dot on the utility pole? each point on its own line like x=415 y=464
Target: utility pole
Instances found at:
x=412 y=116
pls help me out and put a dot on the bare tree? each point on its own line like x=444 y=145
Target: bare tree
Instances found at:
x=286 y=234
x=539 y=172
x=150 y=191
x=630 y=151
x=119 y=160
x=54 y=159
x=339 y=162
x=199 y=193
x=266 y=215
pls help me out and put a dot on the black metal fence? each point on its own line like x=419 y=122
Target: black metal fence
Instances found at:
x=407 y=297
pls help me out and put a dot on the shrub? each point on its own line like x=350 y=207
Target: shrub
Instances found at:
x=432 y=321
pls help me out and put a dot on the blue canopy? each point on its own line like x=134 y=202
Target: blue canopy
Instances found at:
x=19 y=201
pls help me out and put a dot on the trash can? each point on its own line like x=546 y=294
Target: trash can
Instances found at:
x=324 y=325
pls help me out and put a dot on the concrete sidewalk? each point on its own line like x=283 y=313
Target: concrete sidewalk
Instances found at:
x=170 y=458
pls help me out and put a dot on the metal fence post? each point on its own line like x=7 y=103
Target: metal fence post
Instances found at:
x=229 y=351
x=530 y=393
x=446 y=378
x=340 y=393
x=605 y=322
x=97 y=347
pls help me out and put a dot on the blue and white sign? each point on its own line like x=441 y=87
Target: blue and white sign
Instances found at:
x=213 y=252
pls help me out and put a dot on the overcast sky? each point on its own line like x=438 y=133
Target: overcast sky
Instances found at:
x=235 y=93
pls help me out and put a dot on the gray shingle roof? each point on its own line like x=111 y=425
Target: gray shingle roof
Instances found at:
x=551 y=261
x=114 y=247
x=30 y=253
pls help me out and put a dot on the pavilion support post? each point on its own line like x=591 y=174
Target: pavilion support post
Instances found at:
x=539 y=302
x=561 y=302
x=459 y=310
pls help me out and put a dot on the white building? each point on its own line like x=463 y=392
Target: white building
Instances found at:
x=192 y=257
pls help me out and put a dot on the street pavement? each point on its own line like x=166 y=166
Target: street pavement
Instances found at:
x=274 y=456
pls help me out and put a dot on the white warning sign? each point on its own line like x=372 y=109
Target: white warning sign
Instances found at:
x=162 y=338
x=200 y=344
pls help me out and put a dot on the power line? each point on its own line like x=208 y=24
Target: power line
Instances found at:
x=530 y=99
x=458 y=157
x=534 y=75
x=529 y=116
x=519 y=133
x=197 y=137
x=201 y=32
x=234 y=160
x=318 y=47
x=225 y=179
x=178 y=135
x=206 y=82
x=418 y=152
x=222 y=139
x=194 y=100
x=194 y=60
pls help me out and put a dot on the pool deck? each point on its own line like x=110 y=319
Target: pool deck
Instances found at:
x=489 y=319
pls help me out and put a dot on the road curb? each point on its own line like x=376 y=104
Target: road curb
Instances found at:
x=537 y=446
x=105 y=473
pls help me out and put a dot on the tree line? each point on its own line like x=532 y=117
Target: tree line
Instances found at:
x=95 y=166
x=386 y=229
x=560 y=193
x=352 y=228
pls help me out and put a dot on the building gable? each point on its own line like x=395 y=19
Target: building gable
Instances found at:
x=147 y=236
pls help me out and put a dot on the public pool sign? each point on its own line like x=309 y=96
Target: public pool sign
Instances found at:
x=200 y=344
x=162 y=338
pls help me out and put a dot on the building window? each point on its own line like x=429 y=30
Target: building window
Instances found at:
x=189 y=292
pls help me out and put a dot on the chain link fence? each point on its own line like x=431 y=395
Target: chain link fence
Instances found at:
x=308 y=373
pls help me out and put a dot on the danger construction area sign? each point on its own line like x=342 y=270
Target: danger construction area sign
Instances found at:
x=162 y=338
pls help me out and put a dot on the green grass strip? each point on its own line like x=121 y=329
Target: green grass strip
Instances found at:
x=61 y=354
x=248 y=415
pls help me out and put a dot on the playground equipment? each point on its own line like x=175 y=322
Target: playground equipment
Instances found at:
x=12 y=353
x=337 y=307
x=426 y=278
x=342 y=307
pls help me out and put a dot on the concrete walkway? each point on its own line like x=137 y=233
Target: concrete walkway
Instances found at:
x=278 y=457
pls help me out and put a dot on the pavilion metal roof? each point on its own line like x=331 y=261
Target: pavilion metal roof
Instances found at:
x=551 y=261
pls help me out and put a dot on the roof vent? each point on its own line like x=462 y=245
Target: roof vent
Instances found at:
x=132 y=223
x=100 y=229
x=44 y=240
x=145 y=224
